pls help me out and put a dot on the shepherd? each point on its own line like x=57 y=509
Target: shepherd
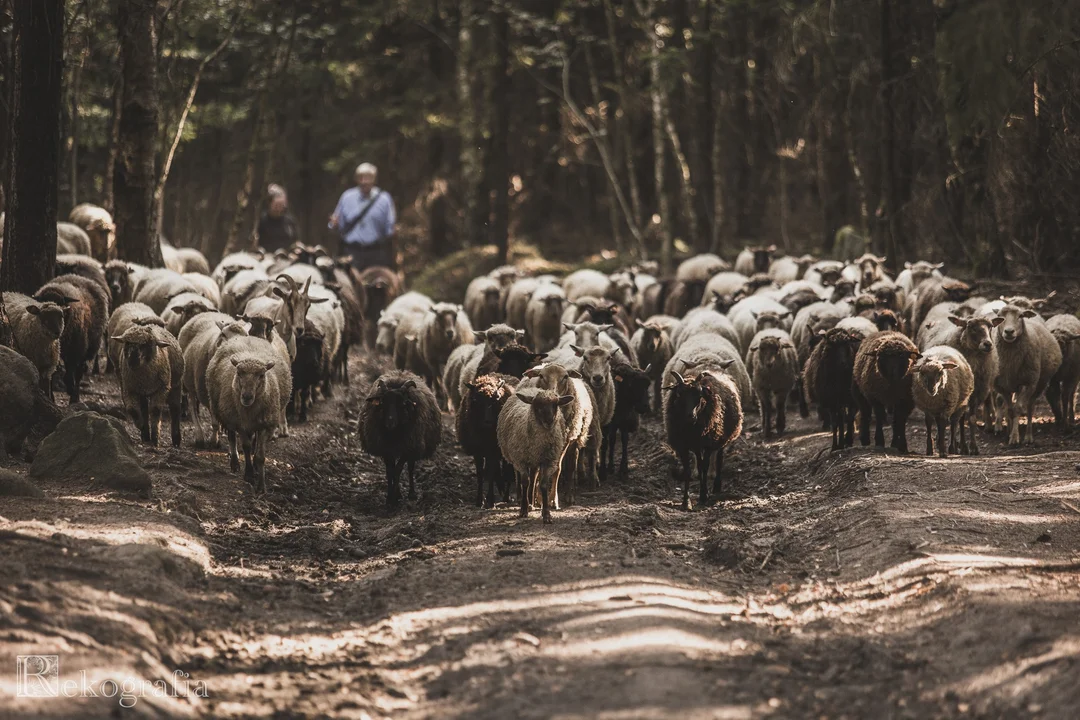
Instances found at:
x=364 y=219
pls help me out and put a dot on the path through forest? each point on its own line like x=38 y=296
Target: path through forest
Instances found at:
x=820 y=585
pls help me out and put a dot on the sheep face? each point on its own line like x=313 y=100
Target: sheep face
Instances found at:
x=505 y=275
x=885 y=320
x=768 y=319
x=635 y=385
x=587 y=334
x=396 y=404
x=885 y=295
x=51 y=317
x=545 y=404
x=309 y=348
x=803 y=263
x=384 y=341
x=497 y=337
x=762 y=258
x=249 y=382
x=191 y=310
x=1012 y=325
x=140 y=346
x=516 y=360
x=977 y=333
x=446 y=319
x=933 y=375
x=595 y=366
x=798 y=300
x=118 y=278
x=553 y=377
x=230 y=271
x=261 y=327
x=894 y=366
x=687 y=398
x=722 y=303
x=603 y=314
x=651 y=336
x=756 y=283
x=870 y=269
x=769 y=351
x=957 y=291
x=622 y=289
x=830 y=277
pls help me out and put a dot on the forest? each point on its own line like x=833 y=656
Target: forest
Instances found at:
x=649 y=128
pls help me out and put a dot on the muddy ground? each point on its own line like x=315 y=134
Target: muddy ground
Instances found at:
x=853 y=584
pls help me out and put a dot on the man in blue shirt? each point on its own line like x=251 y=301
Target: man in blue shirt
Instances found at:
x=364 y=219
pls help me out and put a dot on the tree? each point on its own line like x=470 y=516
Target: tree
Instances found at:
x=500 y=132
x=32 y=192
x=135 y=176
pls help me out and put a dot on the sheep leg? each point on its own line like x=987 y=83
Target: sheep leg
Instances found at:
x=234 y=457
x=953 y=420
x=200 y=434
x=174 y=418
x=837 y=436
x=572 y=468
x=961 y=420
x=305 y=397
x=155 y=424
x=624 y=468
x=506 y=480
x=879 y=424
x=703 y=477
x=864 y=419
x=605 y=446
x=1053 y=396
x=1070 y=403
x=478 y=463
x=524 y=492
x=657 y=400
x=929 y=434
x=1027 y=400
x=804 y=407
x=899 y=430
x=684 y=458
x=766 y=414
x=412 y=479
x=1013 y=420
x=849 y=441
x=973 y=410
x=260 y=439
x=249 y=466
x=781 y=412
x=546 y=486
x=717 y=486
x=941 y=436
x=144 y=419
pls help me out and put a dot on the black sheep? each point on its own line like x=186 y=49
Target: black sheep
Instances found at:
x=306 y=368
x=631 y=401
x=477 y=427
x=827 y=379
x=401 y=423
x=86 y=310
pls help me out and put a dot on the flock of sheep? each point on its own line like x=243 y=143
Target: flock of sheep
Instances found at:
x=546 y=377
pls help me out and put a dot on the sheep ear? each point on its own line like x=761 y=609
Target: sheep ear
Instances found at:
x=577 y=350
x=881 y=259
x=958 y=322
x=409 y=385
x=617 y=378
x=532 y=372
x=605 y=328
x=269 y=366
x=33 y=309
x=939 y=266
x=770 y=249
x=316 y=301
x=1028 y=314
x=949 y=365
x=568 y=326
x=117 y=338
x=520 y=335
x=565 y=400
x=997 y=320
x=638 y=323
x=480 y=334
x=234 y=361
x=907 y=266
x=538 y=356
x=162 y=343
x=822 y=333
x=527 y=399
x=280 y=293
x=576 y=374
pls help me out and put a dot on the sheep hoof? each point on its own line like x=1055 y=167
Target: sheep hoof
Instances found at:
x=546 y=518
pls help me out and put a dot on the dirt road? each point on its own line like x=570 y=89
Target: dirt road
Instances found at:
x=851 y=585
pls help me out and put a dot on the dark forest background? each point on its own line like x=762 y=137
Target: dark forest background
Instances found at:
x=944 y=129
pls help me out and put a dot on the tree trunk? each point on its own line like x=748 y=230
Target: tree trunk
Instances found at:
x=625 y=123
x=656 y=97
x=613 y=206
x=471 y=168
x=704 y=118
x=30 y=222
x=108 y=199
x=833 y=168
x=133 y=184
x=891 y=197
x=73 y=135
x=500 y=134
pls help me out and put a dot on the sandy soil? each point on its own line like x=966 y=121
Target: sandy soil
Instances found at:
x=852 y=584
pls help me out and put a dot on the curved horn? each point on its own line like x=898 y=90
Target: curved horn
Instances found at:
x=678 y=378
x=289 y=279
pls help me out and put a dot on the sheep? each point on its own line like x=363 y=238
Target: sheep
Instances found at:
x=744 y=317
x=289 y=306
x=825 y=273
x=400 y=422
x=542 y=317
x=182 y=308
x=158 y=287
x=724 y=285
x=445 y=327
x=1028 y=356
x=883 y=383
x=98 y=225
x=773 y=366
x=342 y=278
x=652 y=299
x=248 y=388
x=861 y=326
x=702 y=416
x=86 y=308
x=933 y=291
x=700 y=268
x=241 y=287
x=72 y=240
x=199 y=340
x=595 y=369
x=754 y=260
x=233 y=263
x=1061 y=392
x=704 y=321
x=532 y=435
x=329 y=317
x=915 y=273
x=152 y=374
x=205 y=287
x=941 y=388
x=517 y=299
x=683 y=296
x=871 y=269
x=122 y=318
x=477 y=432
x=121 y=284
x=36 y=330
x=581 y=455
x=787 y=269
x=26 y=408
x=585 y=282
x=192 y=261
x=600 y=311
x=841 y=290
x=483 y=302
x=381 y=286
x=707 y=351
x=496 y=337
x=935 y=323
x=302 y=274
x=406 y=343
x=653 y=348
x=631 y=401
x=306 y=368
x=489 y=357
x=827 y=379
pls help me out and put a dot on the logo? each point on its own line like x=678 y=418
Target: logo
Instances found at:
x=37 y=676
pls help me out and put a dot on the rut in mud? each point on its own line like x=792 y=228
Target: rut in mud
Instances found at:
x=854 y=584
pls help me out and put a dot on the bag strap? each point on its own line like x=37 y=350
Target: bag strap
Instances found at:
x=363 y=214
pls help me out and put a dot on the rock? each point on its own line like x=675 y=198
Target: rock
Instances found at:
x=153 y=560
x=87 y=445
x=12 y=485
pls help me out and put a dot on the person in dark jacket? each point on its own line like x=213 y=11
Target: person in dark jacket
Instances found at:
x=277 y=227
